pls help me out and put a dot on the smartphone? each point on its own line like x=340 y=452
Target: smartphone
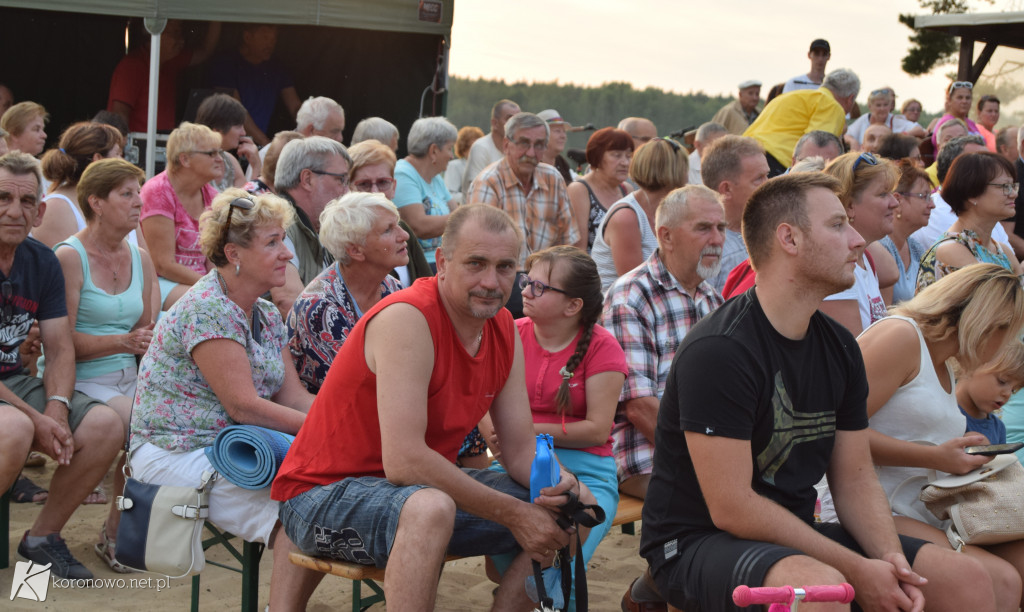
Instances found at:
x=994 y=449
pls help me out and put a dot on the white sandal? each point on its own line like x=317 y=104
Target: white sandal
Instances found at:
x=105 y=550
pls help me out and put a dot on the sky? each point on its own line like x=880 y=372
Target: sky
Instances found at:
x=690 y=45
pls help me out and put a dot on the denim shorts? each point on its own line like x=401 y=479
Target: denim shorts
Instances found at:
x=355 y=519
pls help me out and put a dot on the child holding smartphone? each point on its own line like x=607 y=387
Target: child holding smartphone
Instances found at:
x=984 y=391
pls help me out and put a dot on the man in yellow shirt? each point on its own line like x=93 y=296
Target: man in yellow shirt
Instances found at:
x=791 y=115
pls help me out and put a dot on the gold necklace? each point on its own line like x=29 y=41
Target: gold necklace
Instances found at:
x=113 y=260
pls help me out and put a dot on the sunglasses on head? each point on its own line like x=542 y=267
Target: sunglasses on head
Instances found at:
x=958 y=85
x=867 y=158
x=244 y=204
x=675 y=145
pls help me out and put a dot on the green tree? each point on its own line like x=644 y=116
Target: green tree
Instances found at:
x=470 y=101
x=930 y=48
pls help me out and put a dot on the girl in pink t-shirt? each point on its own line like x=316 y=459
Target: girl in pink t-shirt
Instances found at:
x=574 y=370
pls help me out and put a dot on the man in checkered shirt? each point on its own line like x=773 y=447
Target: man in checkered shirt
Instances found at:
x=650 y=309
x=531 y=192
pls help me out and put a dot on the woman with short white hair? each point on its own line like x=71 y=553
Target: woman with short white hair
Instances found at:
x=361 y=231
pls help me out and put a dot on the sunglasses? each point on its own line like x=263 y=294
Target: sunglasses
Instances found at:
x=867 y=158
x=879 y=92
x=537 y=288
x=211 y=153
x=244 y=204
x=958 y=85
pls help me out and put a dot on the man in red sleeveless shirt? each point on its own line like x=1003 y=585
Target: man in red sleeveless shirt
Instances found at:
x=371 y=477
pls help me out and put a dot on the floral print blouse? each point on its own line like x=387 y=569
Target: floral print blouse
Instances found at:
x=320 y=321
x=932 y=269
x=175 y=408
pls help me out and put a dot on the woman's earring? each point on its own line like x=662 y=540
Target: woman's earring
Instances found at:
x=238 y=269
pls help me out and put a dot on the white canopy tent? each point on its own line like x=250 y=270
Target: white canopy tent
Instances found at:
x=411 y=16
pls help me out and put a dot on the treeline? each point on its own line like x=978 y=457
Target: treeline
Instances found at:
x=470 y=101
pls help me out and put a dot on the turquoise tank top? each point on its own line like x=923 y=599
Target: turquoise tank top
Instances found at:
x=102 y=314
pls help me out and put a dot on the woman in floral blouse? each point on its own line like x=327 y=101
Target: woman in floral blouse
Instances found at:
x=218 y=358
x=981 y=189
x=362 y=233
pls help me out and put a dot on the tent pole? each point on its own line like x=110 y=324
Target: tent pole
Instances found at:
x=155 y=27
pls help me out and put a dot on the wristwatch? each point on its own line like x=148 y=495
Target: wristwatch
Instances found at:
x=61 y=399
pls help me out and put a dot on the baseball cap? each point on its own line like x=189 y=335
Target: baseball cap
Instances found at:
x=552 y=117
x=821 y=43
x=750 y=83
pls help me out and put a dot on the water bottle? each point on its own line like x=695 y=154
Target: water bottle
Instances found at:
x=544 y=472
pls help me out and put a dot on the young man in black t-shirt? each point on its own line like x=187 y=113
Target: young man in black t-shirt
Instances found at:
x=70 y=427
x=765 y=396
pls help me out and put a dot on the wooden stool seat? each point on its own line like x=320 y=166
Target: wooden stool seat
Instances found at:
x=629 y=511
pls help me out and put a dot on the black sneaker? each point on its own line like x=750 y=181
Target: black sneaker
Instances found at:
x=55 y=552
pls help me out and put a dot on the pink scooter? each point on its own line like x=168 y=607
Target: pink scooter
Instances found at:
x=786 y=598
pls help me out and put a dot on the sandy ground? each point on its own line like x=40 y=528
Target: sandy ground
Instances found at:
x=463 y=584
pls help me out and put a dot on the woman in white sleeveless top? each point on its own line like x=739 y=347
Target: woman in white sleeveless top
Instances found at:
x=969 y=315
x=80 y=145
x=625 y=238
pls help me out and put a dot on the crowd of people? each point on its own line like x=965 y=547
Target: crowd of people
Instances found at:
x=736 y=335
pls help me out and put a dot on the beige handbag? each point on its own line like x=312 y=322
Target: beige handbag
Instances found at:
x=985 y=506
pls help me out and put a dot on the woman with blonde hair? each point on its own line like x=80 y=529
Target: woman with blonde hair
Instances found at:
x=373 y=171
x=867 y=183
x=970 y=315
x=219 y=357
x=25 y=124
x=880 y=112
x=172 y=203
x=625 y=237
x=911 y=109
x=80 y=145
x=457 y=167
